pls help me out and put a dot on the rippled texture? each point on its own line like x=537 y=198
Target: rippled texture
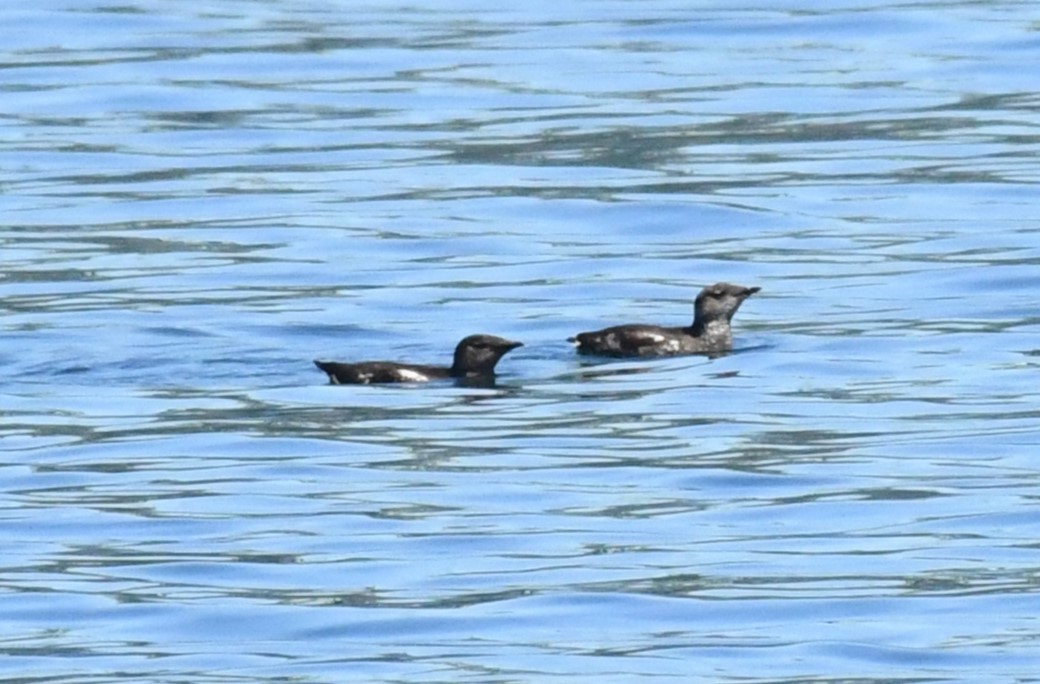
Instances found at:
x=199 y=198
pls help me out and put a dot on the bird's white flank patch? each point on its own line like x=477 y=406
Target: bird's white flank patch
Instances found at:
x=407 y=375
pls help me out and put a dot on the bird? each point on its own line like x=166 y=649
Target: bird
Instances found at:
x=709 y=333
x=475 y=357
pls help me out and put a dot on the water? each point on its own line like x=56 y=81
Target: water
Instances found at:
x=201 y=198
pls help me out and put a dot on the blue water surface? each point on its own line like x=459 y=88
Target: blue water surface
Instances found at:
x=201 y=198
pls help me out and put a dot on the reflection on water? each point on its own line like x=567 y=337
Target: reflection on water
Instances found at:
x=200 y=201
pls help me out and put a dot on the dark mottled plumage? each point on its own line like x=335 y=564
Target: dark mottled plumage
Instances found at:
x=710 y=332
x=475 y=357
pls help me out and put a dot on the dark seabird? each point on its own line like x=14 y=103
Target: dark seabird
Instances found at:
x=710 y=332
x=475 y=357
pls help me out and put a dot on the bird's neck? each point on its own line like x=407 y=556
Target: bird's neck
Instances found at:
x=716 y=328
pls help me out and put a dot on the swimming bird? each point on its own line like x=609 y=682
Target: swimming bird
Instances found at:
x=475 y=357
x=709 y=333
